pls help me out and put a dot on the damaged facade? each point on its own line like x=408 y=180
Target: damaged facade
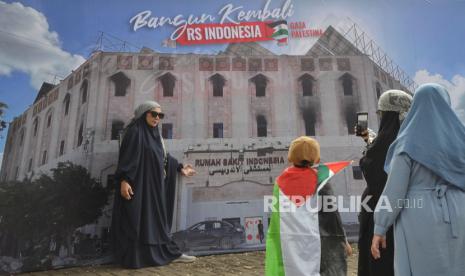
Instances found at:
x=231 y=115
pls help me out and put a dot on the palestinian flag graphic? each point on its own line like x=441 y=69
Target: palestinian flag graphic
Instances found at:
x=281 y=32
x=293 y=244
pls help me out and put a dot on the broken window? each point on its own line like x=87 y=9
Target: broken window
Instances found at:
x=35 y=126
x=261 y=126
x=351 y=120
x=218 y=82
x=62 y=147
x=307 y=83
x=44 y=157
x=309 y=117
x=260 y=85
x=66 y=102
x=378 y=90
x=116 y=128
x=347 y=85
x=80 y=135
x=121 y=83
x=167 y=82
x=49 y=120
x=167 y=131
x=21 y=138
x=218 y=130
x=84 y=87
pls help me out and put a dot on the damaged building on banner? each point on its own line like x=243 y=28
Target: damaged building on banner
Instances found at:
x=231 y=115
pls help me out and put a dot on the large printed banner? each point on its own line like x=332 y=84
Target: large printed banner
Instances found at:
x=233 y=102
x=232 y=24
x=234 y=33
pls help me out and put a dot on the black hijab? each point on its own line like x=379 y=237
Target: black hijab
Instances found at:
x=141 y=163
x=372 y=164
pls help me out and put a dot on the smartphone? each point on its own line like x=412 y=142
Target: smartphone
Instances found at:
x=362 y=123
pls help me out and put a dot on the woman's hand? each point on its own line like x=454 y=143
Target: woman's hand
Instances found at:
x=348 y=249
x=126 y=190
x=365 y=134
x=377 y=240
x=187 y=170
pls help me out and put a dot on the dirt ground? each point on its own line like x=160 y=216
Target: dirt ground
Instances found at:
x=250 y=263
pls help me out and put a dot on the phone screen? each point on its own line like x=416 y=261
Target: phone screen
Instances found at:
x=362 y=122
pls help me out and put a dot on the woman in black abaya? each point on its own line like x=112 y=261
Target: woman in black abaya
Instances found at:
x=144 y=199
x=393 y=105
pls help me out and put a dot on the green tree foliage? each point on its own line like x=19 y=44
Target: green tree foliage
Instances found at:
x=3 y=106
x=52 y=205
x=3 y=124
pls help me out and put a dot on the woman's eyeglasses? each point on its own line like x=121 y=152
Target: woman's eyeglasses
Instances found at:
x=159 y=114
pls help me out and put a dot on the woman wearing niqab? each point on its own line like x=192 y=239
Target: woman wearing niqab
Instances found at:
x=393 y=106
x=425 y=191
x=144 y=198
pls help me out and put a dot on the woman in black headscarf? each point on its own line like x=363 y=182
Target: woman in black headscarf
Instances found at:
x=393 y=106
x=144 y=198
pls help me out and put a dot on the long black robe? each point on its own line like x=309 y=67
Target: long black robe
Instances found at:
x=141 y=226
x=333 y=240
x=372 y=165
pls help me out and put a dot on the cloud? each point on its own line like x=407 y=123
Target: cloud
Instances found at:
x=455 y=87
x=27 y=45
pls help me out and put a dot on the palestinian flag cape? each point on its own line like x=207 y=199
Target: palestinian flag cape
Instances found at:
x=293 y=244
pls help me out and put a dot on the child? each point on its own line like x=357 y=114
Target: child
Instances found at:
x=294 y=246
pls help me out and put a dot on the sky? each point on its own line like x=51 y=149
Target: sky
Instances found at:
x=43 y=40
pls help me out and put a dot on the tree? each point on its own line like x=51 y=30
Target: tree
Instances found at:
x=74 y=199
x=19 y=214
x=50 y=206
x=3 y=124
x=3 y=106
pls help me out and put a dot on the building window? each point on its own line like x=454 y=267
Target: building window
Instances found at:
x=236 y=222
x=116 y=128
x=261 y=126
x=351 y=120
x=307 y=83
x=347 y=85
x=21 y=138
x=218 y=82
x=49 y=120
x=260 y=85
x=35 y=126
x=80 y=134
x=357 y=172
x=167 y=131
x=309 y=117
x=378 y=90
x=121 y=82
x=84 y=87
x=44 y=157
x=62 y=147
x=29 y=166
x=66 y=102
x=218 y=130
x=167 y=82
